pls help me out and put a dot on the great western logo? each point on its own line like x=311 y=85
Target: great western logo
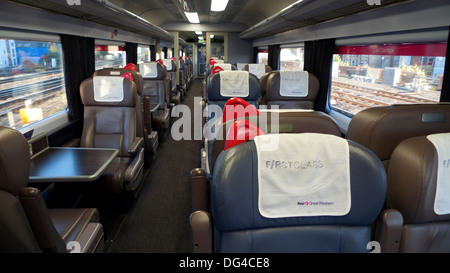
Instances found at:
x=304 y=164
x=315 y=203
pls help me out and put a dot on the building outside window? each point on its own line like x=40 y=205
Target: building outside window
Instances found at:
x=143 y=54
x=292 y=58
x=263 y=57
x=377 y=75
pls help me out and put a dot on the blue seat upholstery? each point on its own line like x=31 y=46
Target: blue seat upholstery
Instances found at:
x=214 y=96
x=238 y=226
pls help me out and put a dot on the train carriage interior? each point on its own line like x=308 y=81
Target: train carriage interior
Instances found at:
x=225 y=126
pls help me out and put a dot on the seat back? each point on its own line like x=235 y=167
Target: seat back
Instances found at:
x=182 y=78
x=171 y=69
x=382 y=128
x=257 y=69
x=238 y=199
x=109 y=122
x=188 y=69
x=224 y=66
x=142 y=130
x=191 y=67
x=418 y=181
x=156 y=88
x=155 y=83
x=292 y=90
x=245 y=222
x=15 y=231
x=208 y=71
x=263 y=86
x=219 y=84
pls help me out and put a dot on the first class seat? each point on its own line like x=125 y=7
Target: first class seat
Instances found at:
x=244 y=218
x=110 y=122
x=27 y=225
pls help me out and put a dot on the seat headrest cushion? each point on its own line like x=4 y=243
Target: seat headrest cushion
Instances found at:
x=234 y=191
x=114 y=72
x=123 y=92
x=413 y=180
x=214 y=88
x=14 y=160
x=274 y=90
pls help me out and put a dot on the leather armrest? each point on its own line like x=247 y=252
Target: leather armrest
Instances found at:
x=199 y=190
x=40 y=221
x=134 y=168
x=137 y=143
x=201 y=225
x=91 y=240
x=389 y=230
x=147 y=113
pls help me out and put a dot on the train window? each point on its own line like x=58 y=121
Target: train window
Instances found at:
x=110 y=56
x=291 y=58
x=263 y=56
x=375 y=75
x=143 y=54
x=31 y=82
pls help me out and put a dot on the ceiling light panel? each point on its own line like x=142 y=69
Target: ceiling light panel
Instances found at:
x=218 y=5
x=192 y=17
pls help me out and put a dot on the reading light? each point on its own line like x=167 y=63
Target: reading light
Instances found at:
x=198 y=32
x=218 y=5
x=192 y=17
x=211 y=36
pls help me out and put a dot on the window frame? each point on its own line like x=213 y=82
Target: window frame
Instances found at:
x=397 y=51
x=295 y=46
x=149 y=53
x=262 y=50
x=102 y=43
x=56 y=120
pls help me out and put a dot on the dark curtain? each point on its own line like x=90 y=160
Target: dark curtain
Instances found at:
x=165 y=52
x=79 y=64
x=274 y=55
x=445 y=91
x=255 y=55
x=318 y=60
x=152 y=53
x=131 y=50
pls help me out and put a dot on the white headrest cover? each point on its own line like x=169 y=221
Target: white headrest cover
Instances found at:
x=168 y=63
x=294 y=83
x=148 y=70
x=257 y=69
x=234 y=83
x=108 y=88
x=304 y=174
x=224 y=66
x=239 y=66
x=442 y=198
